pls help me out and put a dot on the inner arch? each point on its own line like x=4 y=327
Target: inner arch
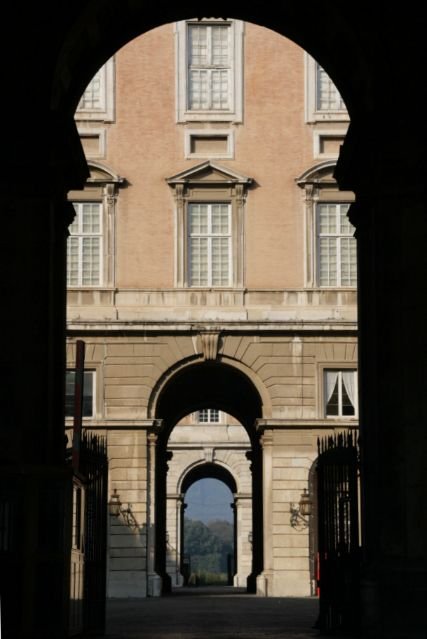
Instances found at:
x=209 y=385
x=208 y=471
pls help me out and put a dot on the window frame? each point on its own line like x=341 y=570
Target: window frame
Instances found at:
x=209 y=420
x=92 y=373
x=337 y=237
x=81 y=236
x=182 y=56
x=340 y=370
x=101 y=187
x=209 y=236
x=318 y=186
x=189 y=134
x=105 y=113
x=312 y=112
x=209 y=183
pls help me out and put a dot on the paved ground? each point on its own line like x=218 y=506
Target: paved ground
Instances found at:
x=217 y=613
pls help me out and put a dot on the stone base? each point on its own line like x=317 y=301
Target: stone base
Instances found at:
x=127 y=583
x=284 y=584
x=177 y=580
x=240 y=581
x=154 y=586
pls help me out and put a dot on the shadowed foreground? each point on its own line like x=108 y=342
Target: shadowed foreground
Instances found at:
x=226 y=613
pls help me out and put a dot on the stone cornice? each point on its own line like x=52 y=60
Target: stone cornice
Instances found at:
x=242 y=326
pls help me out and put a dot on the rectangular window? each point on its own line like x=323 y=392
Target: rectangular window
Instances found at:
x=336 y=249
x=340 y=393
x=209 y=67
x=208 y=416
x=209 y=70
x=327 y=95
x=93 y=98
x=88 y=393
x=209 y=244
x=84 y=246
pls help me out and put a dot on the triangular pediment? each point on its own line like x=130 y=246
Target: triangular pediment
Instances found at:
x=319 y=174
x=208 y=173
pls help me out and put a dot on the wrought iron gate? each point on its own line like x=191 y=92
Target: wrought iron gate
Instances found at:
x=338 y=533
x=94 y=468
x=89 y=538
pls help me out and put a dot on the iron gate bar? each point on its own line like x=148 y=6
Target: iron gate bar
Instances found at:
x=338 y=533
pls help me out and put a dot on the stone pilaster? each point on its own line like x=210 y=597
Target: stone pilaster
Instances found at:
x=265 y=579
x=243 y=522
x=154 y=582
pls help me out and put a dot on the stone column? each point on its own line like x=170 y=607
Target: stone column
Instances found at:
x=180 y=507
x=173 y=538
x=265 y=579
x=391 y=222
x=154 y=582
x=35 y=482
x=243 y=522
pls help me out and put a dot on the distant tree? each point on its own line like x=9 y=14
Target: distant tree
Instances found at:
x=223 y=530
x=208 y=545
x=198 y=539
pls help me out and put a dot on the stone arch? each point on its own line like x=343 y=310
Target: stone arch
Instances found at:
x=207 y=384
x=393 y=430
x=238 y=482
x=183 y=366
x=203 y=469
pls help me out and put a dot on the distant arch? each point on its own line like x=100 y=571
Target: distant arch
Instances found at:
x=207 y=470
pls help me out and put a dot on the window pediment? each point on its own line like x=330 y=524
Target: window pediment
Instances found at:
x=208 y=173
x=100 y=174
x=209 y=210
x=322 y=174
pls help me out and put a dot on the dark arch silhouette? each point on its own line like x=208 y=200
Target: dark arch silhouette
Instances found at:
x=367 y=51
x=208 y=385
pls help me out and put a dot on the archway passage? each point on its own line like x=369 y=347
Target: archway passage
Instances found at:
x=209 y=385
x=209 y=548
x=386 y=170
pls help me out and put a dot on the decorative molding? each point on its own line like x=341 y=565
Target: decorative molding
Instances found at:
x=209 y=182
x=209 y=454
x=209 y=173
x=210 y=344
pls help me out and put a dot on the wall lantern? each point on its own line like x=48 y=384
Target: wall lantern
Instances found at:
x=301 y=512
x=114 y=505
x=115 y=509
x=305 y=504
